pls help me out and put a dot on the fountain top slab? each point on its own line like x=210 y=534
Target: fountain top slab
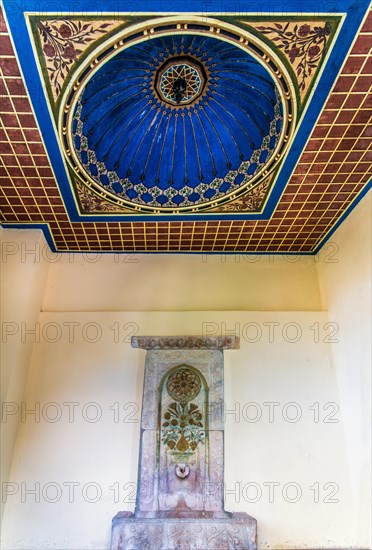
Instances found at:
x=185 y=342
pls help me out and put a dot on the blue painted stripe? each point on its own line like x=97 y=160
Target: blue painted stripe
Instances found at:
x=43 y=226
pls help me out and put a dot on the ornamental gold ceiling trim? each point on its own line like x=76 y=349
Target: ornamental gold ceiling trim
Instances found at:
x=91 y=203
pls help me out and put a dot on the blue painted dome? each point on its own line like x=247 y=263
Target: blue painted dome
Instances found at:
x=177 y=121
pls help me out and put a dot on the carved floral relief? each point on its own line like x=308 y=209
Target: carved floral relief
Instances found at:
x=182 y=429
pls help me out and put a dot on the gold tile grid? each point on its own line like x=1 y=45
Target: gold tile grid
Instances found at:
x=333 y=169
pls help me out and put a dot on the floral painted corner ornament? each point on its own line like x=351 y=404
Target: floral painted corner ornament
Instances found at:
x=63 y=42
x=303 y=43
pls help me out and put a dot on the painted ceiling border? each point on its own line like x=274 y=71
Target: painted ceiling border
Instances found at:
x=45 y=228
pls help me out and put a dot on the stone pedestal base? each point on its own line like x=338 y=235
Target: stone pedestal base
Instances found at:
x=239 y=532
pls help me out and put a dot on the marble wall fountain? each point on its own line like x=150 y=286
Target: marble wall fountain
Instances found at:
x=180 y=496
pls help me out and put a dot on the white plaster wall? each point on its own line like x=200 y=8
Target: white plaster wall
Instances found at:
x=176 y=282
x=23 y=280
x=346 y=290
x=284 y=360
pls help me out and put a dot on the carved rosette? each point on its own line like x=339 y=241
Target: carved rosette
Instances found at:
x=183 y=385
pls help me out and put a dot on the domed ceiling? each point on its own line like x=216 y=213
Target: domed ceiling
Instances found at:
x=177 y=122
x=158 y=122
